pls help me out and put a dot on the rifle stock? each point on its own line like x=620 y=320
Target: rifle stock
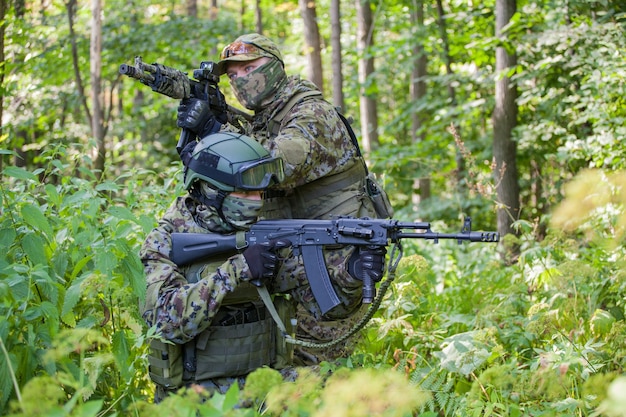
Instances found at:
x=308 y=237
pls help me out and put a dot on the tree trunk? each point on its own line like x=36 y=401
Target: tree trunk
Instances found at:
x=259 y=17
x=312 y=43
x=242 y=12
x=418 y=92
x=504 y=120
x=71 y=10
x=213 y=9
x=95 y=57
x=192 y=8
x=369 y=112
x=335 y=43
x=460 y=163
x=3 y=12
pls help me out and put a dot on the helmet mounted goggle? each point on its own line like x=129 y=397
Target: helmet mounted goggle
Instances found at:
x=252 y=176
x=245 y=48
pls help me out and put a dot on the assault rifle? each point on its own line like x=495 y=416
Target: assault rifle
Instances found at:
x=175 y=84
x=309 y=236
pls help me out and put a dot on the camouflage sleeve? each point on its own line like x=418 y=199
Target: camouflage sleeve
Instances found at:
x=313 y=142
x=179 y=309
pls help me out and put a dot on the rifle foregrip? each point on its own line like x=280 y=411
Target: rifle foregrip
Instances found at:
x=369 y=289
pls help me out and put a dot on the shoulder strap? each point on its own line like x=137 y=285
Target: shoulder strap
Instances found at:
x=355 y=142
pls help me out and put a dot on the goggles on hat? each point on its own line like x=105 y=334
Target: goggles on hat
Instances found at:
x=256 y=175
x=243 y=48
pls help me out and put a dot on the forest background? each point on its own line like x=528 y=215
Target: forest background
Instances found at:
x=510 y=112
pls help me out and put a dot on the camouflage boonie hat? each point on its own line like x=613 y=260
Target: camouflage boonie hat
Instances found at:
x=247 y=48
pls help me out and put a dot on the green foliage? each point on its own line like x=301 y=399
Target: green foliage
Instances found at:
x=546 y=336
x=70 y=286
x=469 y=337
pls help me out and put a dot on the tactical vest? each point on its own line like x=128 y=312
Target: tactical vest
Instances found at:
x=243 y=337
x=296 y=205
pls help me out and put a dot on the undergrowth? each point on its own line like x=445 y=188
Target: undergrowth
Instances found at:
x=458 y=334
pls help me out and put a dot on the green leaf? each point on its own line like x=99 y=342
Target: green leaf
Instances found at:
x=79 y=266
x=105 y=262
x=19 y=173
x=35 y=218
x=72 y=295
x=34 y=247
x=49 y=310
x=7 y=237
x=122 y=213
x=133 y=272
x=53 y=195
x=231 y=398
x=121 y=352
x=107 y=186
x=88 y=409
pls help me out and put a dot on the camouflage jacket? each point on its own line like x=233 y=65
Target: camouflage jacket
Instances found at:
x=179 y=309
x=314 y=144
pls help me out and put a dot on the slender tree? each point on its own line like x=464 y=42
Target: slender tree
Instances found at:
x=95 y=59
x=418 y=92
x=447 y=59
x=369 y=111
x=213 y=9
x=192 y=8
x=258 y=13
x=504 y=121
x=312 y=42
x=336 y=61
x=3 y=12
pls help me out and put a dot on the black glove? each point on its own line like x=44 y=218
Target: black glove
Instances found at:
x=263 y=260
x=194 y=114
x=368 y=260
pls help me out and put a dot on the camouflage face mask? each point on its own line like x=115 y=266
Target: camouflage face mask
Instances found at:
x=241 y=213
x=256 y=88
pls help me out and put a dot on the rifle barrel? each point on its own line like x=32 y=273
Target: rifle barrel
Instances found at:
x=134 y=72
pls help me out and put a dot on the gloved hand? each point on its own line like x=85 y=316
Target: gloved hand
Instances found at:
x=194 y=114
x=368 y=260
x=263 y=261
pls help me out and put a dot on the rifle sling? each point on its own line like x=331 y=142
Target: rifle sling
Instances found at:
x=267 y=300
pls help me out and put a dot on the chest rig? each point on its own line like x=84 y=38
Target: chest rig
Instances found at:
x=337 y=187
x=243 y=337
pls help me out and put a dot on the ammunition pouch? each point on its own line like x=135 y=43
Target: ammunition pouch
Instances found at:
x=241 y=341
x=166 y=364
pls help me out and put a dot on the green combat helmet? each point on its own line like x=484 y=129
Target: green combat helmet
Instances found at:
x=231 y=161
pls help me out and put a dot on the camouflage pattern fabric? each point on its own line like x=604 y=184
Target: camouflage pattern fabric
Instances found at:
x=261 y=85
x=316 y=147
x=181 y=310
